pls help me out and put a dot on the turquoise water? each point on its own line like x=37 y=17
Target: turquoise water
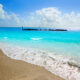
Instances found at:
x=63 y=43
x=54 y=48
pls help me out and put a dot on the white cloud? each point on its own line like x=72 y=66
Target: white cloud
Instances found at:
x=52 y=17
x=7 y=19
x=46 y=17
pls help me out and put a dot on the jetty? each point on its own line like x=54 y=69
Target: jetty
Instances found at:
x=42 y=29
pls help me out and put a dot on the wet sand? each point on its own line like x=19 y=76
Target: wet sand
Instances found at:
x=19 y=70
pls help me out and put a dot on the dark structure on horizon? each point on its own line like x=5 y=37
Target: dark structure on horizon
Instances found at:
x=43 y=29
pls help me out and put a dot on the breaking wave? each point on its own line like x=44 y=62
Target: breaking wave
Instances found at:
x=66 y=68
x=36 y=38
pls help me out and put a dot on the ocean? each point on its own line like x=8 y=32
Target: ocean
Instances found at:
x=57 y=51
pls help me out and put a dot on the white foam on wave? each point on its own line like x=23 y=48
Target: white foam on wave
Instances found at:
x=36 y=38
x=54 y=63
x=5 y=37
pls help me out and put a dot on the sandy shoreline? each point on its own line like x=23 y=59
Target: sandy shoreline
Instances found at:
x=19 y=70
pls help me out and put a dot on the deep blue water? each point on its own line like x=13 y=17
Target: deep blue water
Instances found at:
x=62 y=43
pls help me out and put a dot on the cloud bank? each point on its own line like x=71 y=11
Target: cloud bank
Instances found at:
x=52 y=17
x=7 y=19
x=46 y=17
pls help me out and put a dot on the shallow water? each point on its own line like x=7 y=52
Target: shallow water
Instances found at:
x=53 y=50
x=63 y=43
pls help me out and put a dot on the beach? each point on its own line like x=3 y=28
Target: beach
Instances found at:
x=19 y=70
x=39 y=55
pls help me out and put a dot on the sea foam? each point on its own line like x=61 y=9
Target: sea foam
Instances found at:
x=56 y=64
x=36 y=38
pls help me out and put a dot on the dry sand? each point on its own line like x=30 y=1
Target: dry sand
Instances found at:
x=19 y=70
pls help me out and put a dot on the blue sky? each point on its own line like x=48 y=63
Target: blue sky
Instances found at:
x=44 y=13
x=26 y=6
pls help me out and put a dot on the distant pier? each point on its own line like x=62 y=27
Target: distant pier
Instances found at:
x=42 y=29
